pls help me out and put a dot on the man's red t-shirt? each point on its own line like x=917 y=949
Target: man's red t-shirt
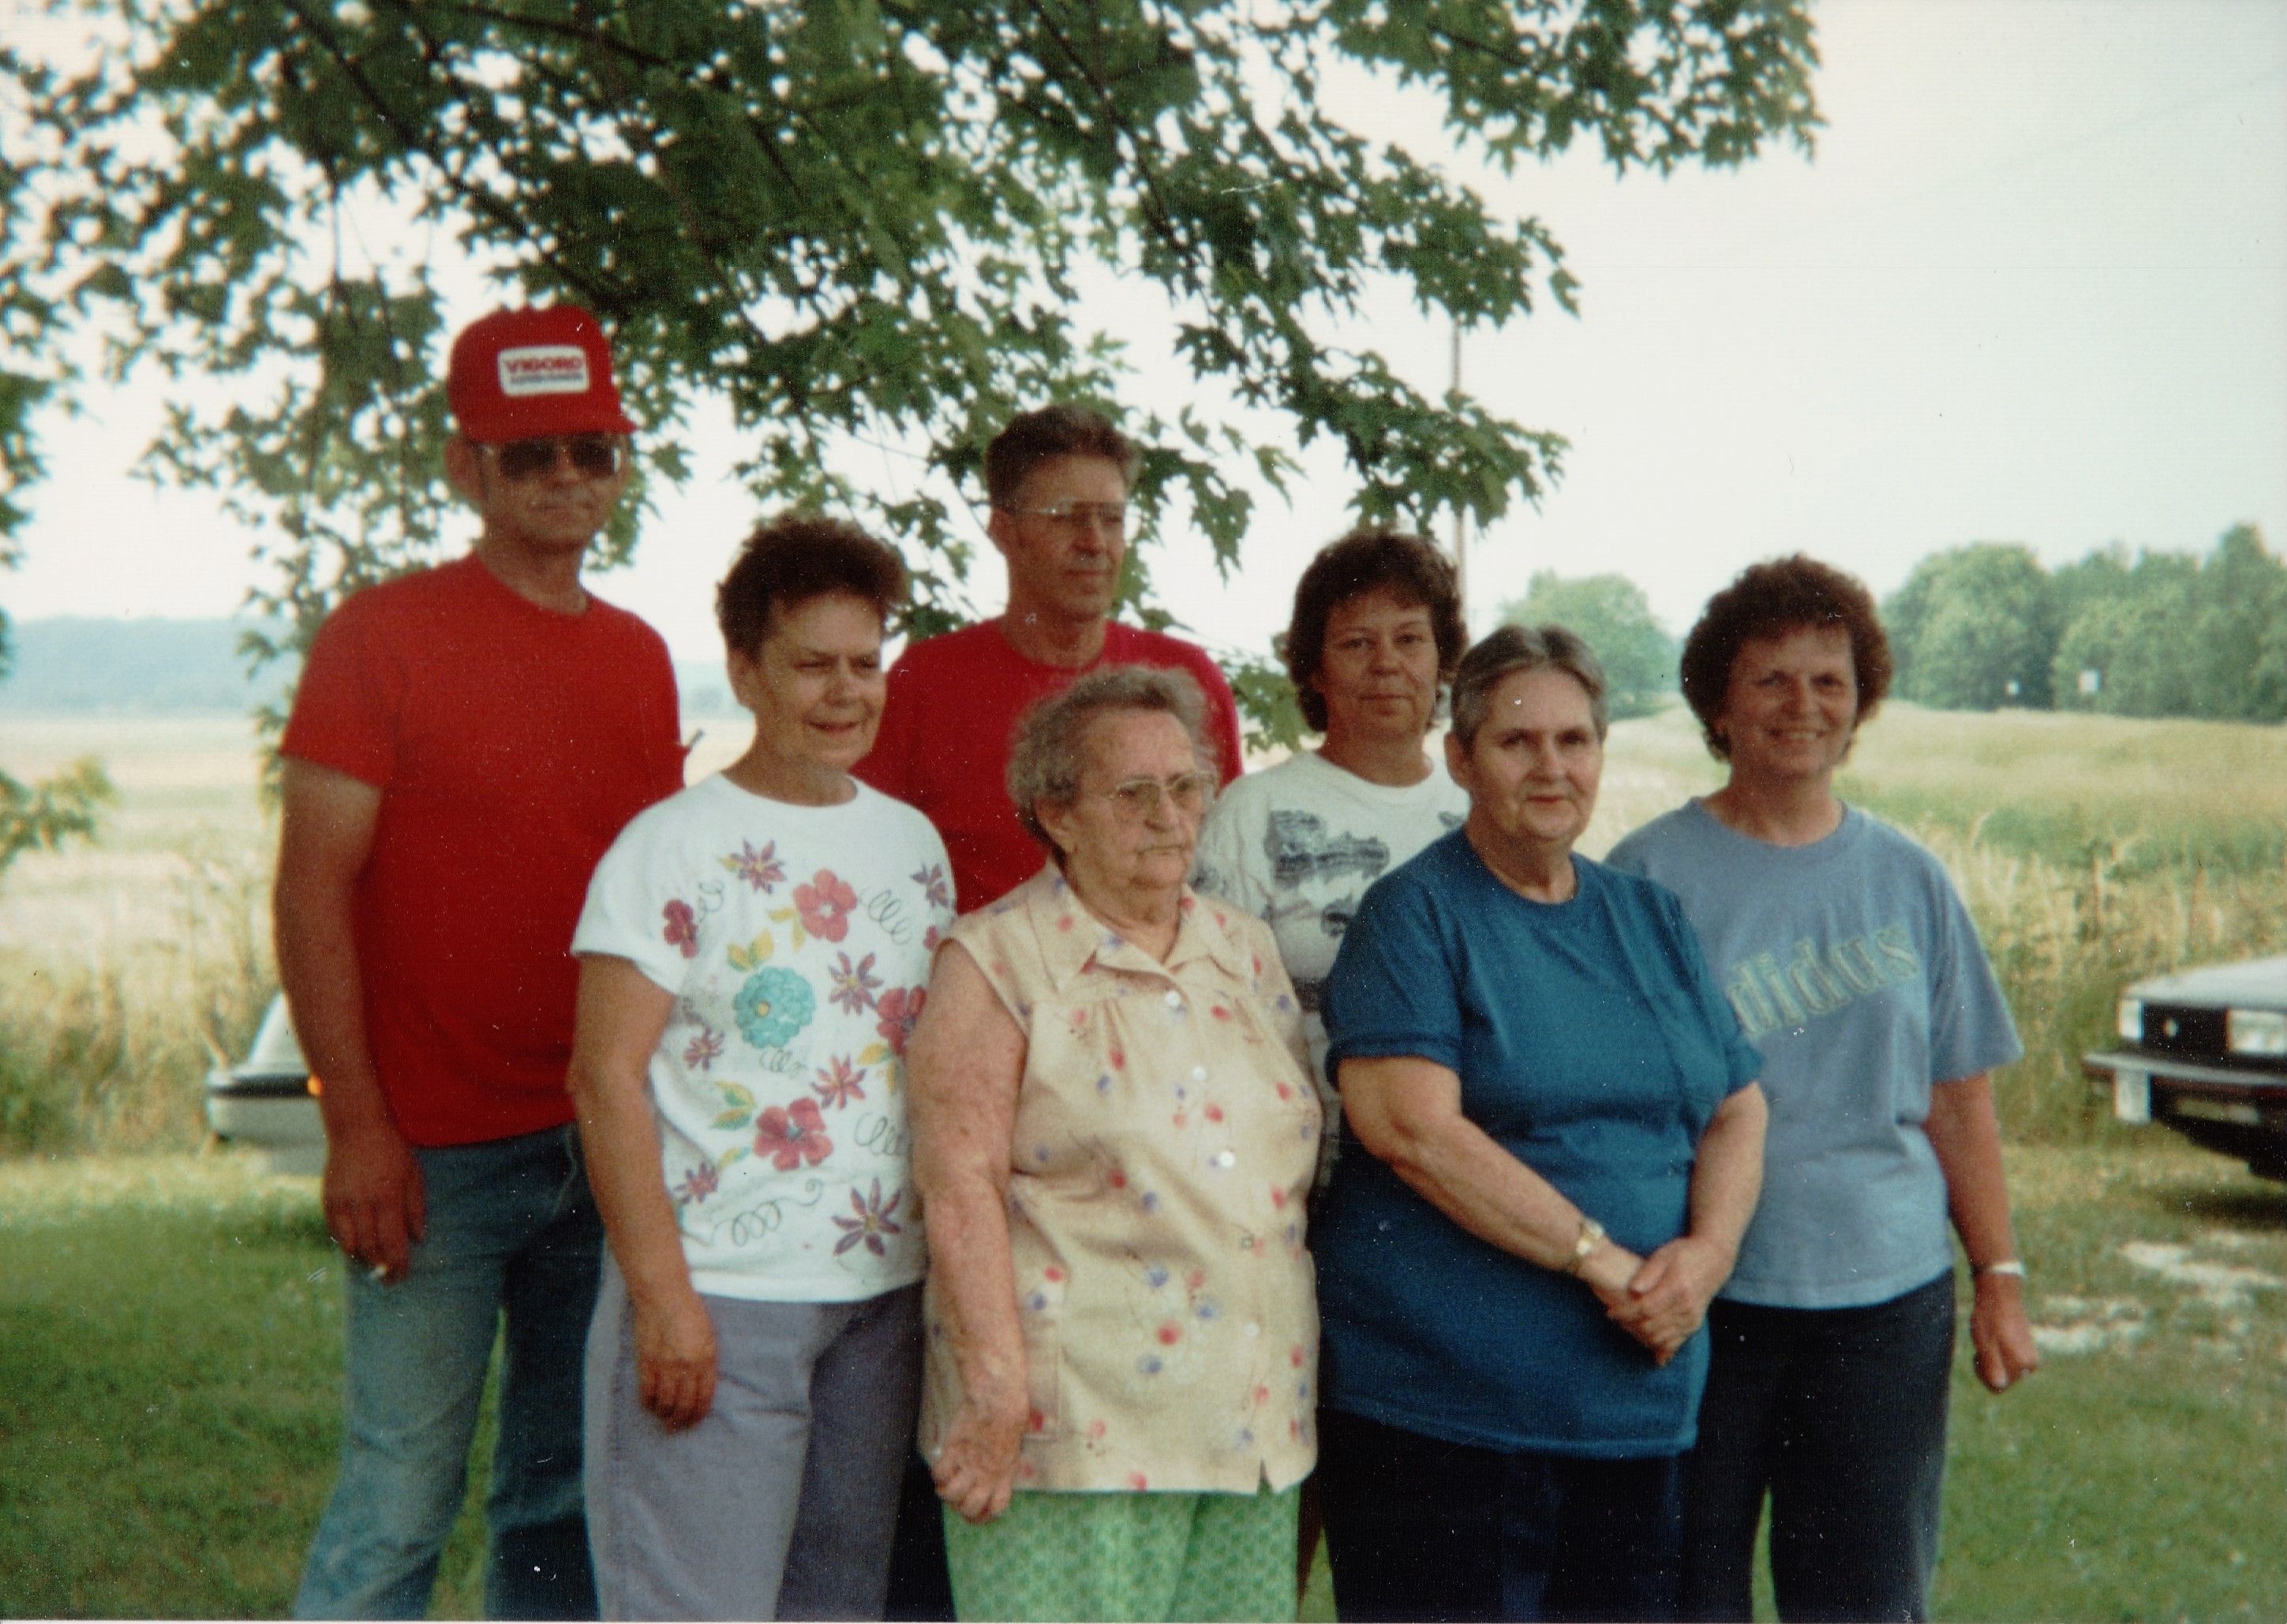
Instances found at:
x=952 y=709
x=509 y=744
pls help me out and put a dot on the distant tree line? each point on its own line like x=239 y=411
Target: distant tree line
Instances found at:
x=1982 y=627
x=1614 y=618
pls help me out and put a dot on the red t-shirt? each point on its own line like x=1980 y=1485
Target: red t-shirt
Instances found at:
x=952 y=709
x=509 y=744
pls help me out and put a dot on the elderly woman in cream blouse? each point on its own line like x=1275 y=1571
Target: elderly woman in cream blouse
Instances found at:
x=1115 y=1130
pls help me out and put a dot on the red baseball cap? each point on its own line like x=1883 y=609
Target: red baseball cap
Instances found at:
x=527 y=374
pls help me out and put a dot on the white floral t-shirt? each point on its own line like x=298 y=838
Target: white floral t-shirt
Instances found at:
x=797 y=940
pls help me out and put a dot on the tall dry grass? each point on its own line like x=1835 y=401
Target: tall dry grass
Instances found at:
x=2091 y=850
x=130 y=966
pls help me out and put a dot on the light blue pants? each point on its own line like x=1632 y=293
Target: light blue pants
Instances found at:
x=513 y=1233
x=781 y=1501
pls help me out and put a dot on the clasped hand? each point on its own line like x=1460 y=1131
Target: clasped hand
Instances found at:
x=1666 y=1297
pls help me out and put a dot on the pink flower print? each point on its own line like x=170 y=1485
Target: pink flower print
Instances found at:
x=1139 y=1482
x=931 y=938
x=838 y=1087
x=698 y=1183
x=792 y=1135
x=899 y=1008
x=825 y=903
x=682 y=931
x=935 y=892
x=702 y=1051
x=873 y=1220
x=853 y=984
x=760 y=870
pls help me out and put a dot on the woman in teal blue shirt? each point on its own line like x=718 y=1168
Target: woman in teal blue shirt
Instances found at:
x=1557 y=1145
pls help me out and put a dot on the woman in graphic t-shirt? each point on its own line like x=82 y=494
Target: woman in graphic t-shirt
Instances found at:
x=753 y=955
x=1853 y=967
x=1375 y=636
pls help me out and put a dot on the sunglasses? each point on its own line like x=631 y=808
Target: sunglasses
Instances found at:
x=595 y=456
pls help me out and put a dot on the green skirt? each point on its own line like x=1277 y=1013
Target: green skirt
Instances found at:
x=1127 y=1556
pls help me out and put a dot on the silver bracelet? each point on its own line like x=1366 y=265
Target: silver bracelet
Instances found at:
x=2007 y=1266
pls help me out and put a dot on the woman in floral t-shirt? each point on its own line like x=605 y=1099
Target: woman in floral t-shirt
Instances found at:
x=754 y=955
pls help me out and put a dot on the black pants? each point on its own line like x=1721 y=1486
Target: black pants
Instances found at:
x=920 y=1586
x=1417 y=1528
x=1840 y=1414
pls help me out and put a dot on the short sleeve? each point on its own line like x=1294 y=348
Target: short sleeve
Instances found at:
x=1393 y=989
x=889 y=766
x=349 y=704
x=1970 y=1027
x=1223 y=716
x=1224 y=867
x=640 y=908
x=1742 y=1060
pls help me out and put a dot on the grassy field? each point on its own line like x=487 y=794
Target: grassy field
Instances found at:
x=169 y=1357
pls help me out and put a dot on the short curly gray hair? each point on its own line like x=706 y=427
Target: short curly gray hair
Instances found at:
x=1050 y=752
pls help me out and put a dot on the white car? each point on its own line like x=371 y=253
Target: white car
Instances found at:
x=2205 y=1052
x=269 y=1101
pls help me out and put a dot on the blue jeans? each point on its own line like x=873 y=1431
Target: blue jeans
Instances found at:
x=513 y=1233
x=1839 y=1412
x=1419 y=1528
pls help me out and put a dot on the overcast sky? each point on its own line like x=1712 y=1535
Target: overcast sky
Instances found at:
x=2031 y=287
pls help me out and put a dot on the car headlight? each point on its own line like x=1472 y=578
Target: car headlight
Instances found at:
x=2256 y=1032
x=2132 y=1020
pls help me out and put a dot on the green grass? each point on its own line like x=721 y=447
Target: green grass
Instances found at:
x=171 y=1391
x=170 y=1365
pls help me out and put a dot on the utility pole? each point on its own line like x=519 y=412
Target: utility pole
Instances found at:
x=1460 y=514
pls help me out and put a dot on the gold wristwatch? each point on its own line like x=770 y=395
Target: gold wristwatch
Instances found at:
x=1591 y=1237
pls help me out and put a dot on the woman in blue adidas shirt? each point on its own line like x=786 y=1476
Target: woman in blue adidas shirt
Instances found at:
x=1854 y=968
x=1555 y=1139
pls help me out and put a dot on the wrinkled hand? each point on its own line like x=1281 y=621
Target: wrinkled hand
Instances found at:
x=674 y=1359
x=976 y=1467
x=2000 y=1332
x=1667 y=1299
x=375 y=1206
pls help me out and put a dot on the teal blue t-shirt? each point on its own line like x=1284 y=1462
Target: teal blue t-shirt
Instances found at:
x=1594 y=1046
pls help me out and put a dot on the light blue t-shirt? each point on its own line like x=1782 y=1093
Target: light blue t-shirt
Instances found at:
x=1592 y=1045
x=1855 y=969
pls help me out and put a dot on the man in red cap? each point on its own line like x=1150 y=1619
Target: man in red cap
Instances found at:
x=465 y=743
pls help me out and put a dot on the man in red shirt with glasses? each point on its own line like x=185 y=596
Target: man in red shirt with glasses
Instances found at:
x=465 y=743
x=1058 y=481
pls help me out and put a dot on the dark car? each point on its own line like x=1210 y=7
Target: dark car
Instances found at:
x=2205 y=1052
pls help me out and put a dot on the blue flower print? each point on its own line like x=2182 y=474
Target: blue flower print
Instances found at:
x=772 y=1007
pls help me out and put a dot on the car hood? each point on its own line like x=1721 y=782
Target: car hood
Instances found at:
x=2253 y=981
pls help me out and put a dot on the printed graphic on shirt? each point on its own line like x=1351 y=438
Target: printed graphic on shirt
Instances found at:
x=1302 y=850
x=1770 y=993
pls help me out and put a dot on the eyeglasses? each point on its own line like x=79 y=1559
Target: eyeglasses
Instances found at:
x=1111 y=516
x=594 y=456
x=1140 y=798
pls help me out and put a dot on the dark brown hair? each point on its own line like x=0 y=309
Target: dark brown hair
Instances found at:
x=1034 y=438
x=1769 y=600
x=793 y=558
x=1359 y=563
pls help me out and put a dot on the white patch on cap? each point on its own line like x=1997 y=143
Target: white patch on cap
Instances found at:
x=543 y=369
